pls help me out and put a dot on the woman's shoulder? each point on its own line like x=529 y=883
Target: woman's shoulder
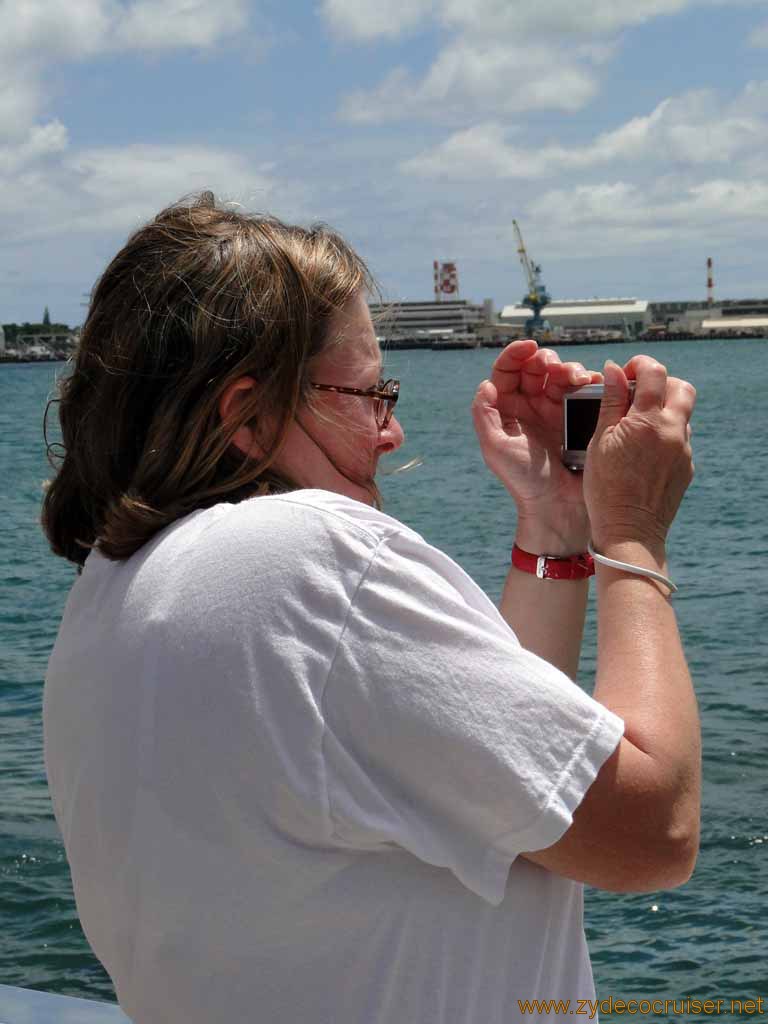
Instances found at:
x=329 y=510
x=299 y=550
x=275 y=530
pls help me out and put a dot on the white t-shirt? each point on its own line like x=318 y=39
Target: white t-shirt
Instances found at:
x=294 y=753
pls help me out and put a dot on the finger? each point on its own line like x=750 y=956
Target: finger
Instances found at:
x=514 y=355
x=615 y=400
x=650 y=382
x=680 y=397
x=485 y=414
x=486 y=394
x=564 y=377
x=506 y=370
x=535 y=371
x=521 y=372
x=572 y=370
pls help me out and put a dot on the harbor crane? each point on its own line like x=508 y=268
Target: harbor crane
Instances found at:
x=537 y=296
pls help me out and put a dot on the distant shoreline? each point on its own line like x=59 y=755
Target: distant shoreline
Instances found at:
x=17 y=359
x=447 y=346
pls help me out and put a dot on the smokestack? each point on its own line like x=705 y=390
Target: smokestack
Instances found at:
x=446 y=280
x=449 y=279
x=710 y=283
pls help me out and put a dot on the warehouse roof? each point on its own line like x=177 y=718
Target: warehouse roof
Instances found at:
x=582 y=307
x=733 y=323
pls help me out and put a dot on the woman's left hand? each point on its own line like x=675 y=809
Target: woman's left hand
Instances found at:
x=518 y=416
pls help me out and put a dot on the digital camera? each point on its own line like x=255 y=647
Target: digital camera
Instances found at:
x=581 y=410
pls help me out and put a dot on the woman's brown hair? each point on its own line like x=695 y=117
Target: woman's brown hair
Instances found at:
x=200 y=296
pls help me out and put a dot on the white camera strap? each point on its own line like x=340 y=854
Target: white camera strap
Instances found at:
x=636 y=570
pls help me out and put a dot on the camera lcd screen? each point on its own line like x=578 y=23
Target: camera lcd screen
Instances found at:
x=581 y=419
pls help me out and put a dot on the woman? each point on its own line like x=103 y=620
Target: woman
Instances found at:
x=303 y=768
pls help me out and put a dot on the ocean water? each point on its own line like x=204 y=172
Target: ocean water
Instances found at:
x=706 y=940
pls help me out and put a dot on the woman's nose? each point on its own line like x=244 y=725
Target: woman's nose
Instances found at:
x=392 y=436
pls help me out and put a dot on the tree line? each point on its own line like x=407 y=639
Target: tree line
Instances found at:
x=12 y=331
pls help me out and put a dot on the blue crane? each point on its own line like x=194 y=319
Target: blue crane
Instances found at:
x=537 y=296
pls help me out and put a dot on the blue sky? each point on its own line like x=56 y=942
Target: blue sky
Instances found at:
x=629 y=139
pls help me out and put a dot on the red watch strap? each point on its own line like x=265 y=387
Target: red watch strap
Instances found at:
x=554 y=567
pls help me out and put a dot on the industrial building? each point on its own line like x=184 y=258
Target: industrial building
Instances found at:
x=727 y=318
x=585 y=317
x=607 y=319
x=452 y=323
x=459 y=323
x=666 y=312
x=728 y=326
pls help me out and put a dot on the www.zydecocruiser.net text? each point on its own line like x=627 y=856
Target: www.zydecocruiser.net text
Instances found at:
x=681 y=1007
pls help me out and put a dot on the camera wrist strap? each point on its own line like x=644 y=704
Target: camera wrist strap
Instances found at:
x=635 y=570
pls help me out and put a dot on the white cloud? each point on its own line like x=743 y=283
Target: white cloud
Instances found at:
x=592 y=205
x=66 y=212
x=695 y=129
x=41 y=141
x=20 y=101
x=37 y=34
x=114 y=189
x=127 y=181
x=40 y=30
x=558 y=17
x=171 y=24
x=759 y=36
x=479 y=152
x=500 y=56
x=719 y=208
x=44 y=189
x=469 y=77
x=362 y=21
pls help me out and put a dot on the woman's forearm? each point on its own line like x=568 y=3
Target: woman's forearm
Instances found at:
x=547 y=616
x=642 y=673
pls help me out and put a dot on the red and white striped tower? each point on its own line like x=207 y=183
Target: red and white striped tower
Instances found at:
x=446 y=279
x=710 y=283
x=449 y=279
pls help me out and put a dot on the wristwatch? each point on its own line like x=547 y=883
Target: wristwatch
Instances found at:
x=554 y=567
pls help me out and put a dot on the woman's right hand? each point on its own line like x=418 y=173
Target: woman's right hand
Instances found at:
x=639 y=462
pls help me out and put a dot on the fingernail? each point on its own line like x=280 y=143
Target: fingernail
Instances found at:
x=611 y=372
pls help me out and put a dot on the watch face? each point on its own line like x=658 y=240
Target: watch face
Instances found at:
x=578 y=568
x=573 y=567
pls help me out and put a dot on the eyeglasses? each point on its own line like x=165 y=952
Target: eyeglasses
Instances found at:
x=385 y=396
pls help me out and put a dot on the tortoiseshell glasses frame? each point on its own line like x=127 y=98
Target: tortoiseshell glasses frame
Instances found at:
x=385 y=395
